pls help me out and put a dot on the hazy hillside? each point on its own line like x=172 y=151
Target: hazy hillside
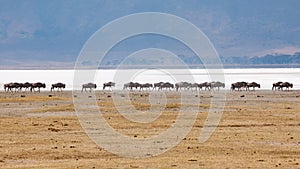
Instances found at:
x=52 y=33
x=275 y=60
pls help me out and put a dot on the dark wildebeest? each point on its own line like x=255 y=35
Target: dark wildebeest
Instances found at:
x=238 y=85
x=10 y=86
x=253 y=85
x=131 y=85
x=38 y=85
x=26 y=85
x=276 y=85
x=146 y=86
x=287 y=85
x=58 y=86
x=136 y=85
x=216 y=85
x=109 y=85
x=88 y=86
x=157 y=85
x=205 y=85
x=167 y=85
x=180 y=85
x=6 y=87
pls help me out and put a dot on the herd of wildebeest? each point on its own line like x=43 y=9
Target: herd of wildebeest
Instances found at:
x=238 y=86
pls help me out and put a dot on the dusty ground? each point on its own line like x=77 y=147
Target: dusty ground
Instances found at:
x=258 y=129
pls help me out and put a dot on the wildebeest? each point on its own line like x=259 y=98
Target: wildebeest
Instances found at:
x=131 y=85
x=217 y=85
x=38 y=85
x=253 y=85
x=276 y=85
x=26 y=85
x=10 y=86
x=109 y=85
x=126 y=86
x=238 y=85
x=167 y=85
x=6 y=86
x=193 y=86
x=135 y=85
x=182 y=85
x=88 y=86
x=58 y=85
x=204 y=85
x=157 y=85
x=287 y=85
x=146 y=86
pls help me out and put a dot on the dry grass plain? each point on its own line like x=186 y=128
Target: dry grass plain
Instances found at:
x=258 y=129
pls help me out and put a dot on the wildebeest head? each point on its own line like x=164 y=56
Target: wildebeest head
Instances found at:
x=232 y=86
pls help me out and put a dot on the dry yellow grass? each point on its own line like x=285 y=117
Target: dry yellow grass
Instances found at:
x=173 y=105
x=253 y=134
x=32 y=99
x=58 y=108
x=141 y=106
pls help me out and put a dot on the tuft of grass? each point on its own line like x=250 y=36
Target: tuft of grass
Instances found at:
x=173 y=105
x=205 y=106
